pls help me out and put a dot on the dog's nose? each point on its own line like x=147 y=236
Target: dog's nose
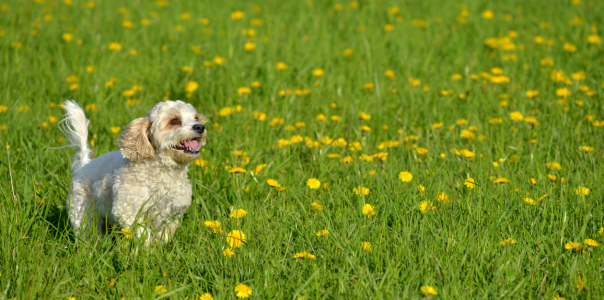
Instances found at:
x=199 y=128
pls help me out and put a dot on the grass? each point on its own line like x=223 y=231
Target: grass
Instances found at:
x=453 y=247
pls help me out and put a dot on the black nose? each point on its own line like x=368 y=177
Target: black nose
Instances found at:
x=199 y=128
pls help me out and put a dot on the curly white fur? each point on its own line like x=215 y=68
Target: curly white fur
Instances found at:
x=143 y=187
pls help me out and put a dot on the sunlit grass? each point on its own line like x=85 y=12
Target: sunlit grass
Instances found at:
x=361 y=149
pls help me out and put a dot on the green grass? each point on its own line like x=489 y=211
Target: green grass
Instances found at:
x=453 y=247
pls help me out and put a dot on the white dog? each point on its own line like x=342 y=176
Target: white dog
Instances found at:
x=144 y=183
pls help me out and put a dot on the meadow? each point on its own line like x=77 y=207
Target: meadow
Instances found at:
x=362 y=149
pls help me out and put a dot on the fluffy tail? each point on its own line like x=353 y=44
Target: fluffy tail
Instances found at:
x=75 y=128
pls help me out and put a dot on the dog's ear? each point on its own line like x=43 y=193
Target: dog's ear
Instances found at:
x=135 y=141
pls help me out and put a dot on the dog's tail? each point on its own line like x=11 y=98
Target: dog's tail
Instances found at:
x=75 y=128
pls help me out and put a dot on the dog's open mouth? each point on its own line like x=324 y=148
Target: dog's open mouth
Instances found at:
x=189 y=146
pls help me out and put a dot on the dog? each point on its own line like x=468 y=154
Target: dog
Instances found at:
x=146 y=182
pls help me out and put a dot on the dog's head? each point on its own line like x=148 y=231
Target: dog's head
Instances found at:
x=171 y=130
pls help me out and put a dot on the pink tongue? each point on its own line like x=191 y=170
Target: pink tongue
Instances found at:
x=193 y=144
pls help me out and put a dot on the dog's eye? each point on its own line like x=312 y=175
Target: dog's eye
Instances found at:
x=175 y=122
x=196 y=119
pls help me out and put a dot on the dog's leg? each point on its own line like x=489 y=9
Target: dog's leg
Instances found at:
x=82 y=212
x=167 y=230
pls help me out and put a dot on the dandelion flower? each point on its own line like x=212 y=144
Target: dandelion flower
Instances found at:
x=115 y=130
x=368 y=210
x=529 y=201
x=228 y=252
x=213 y=225
x=323 y=232
x=516 y=116
x=273 y=183
x=593 y=39
x=316 y=206
x=507 y=241
x=591 y=243
x=574 y=246
x=580 y=283
x=586 y=149
x=582 y=191
x=405 y=176
x=249 y=46
x=192 y=86
x=237 y=170
x=238 y=15
x=361 y=191
x=235 y=238
x=426 y=206
x=469 y=183
x=501 y=180
x=238 y=213
x=160 y=289
x=313 y=183
x=428 y=290
x=563 y=92
x=281 y=66
x=318 y=72
x=304 y=254
x=127 y=233
x=206 y=296
x=443 y=198
x=366 y=246
x=243 y=291
x=115 y=46
x=244 y=90
x=554 y=165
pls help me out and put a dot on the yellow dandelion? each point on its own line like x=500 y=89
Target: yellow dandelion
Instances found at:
x=501 y=180
x=228 y=252
x=207 y=296
x=281 y=66
x=238 y=213
x=127 y=233
x=573 y=246
x=318 y=72
x=469 y=183
x=366 y=246
x=323 y=232
x=507 y=241
x=237 y=170
x=516 y=116
x=213 y=225
x=428 y=290
x=235 y=238
x=192 y=86
x=405 y=176
x=243 y=291
x=313 y=183
x=273 y=183
x=591 y=243
x=361 y=191
x=426 y=206
x=529 y=201
x=316 y=206
x=368 y=210
x=586 y=149
x=160 y=289
x=237 y=15
x=304 y=254
x=582 y=191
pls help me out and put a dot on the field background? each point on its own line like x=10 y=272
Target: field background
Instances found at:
x=400 y=68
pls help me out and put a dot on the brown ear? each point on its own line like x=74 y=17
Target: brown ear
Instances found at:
x=134 y=143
